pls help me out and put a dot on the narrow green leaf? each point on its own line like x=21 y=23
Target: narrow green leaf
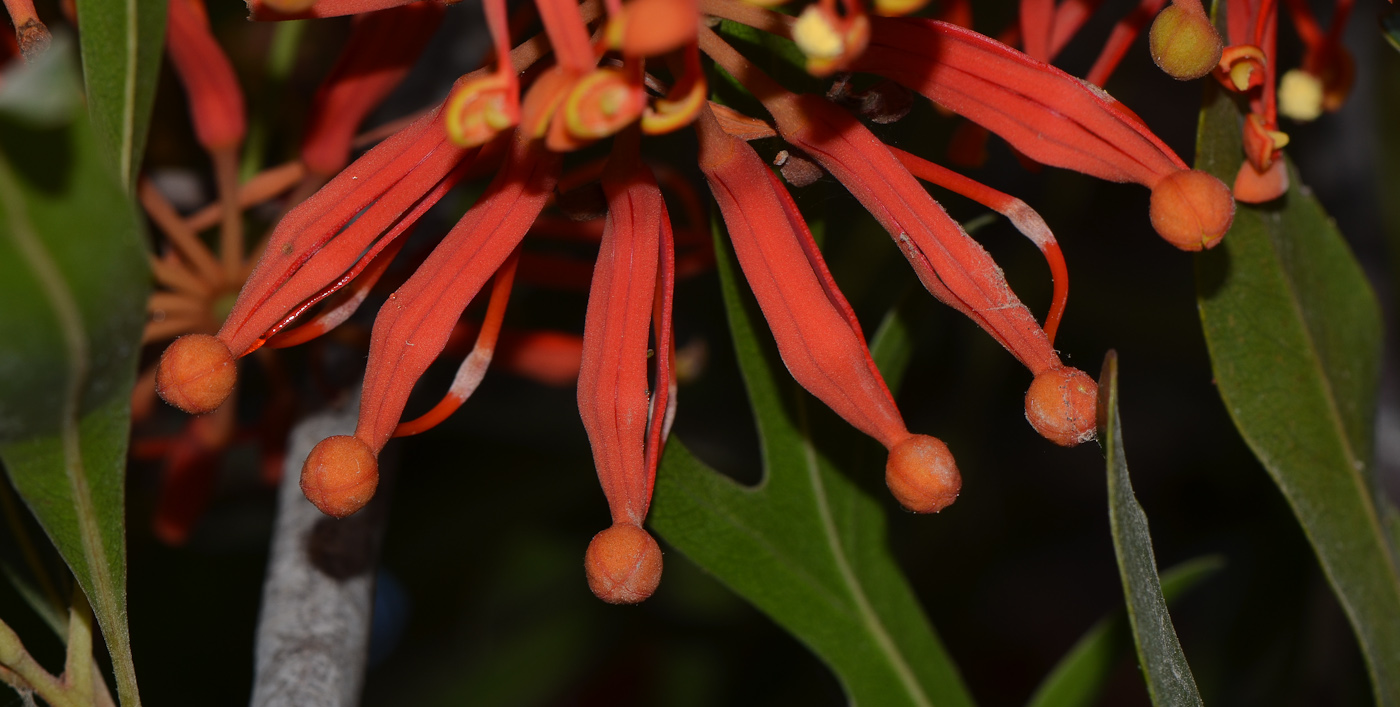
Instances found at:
x=122 y=43
x=1169 y=680
x=1080 y=677
x=1294 y=334
x=807 y=545
x=74 y=281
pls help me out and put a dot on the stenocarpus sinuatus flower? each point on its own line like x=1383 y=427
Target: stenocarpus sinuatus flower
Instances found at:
x=622 y=71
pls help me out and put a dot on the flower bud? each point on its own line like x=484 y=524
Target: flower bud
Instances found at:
x=921 y=474
x=1192 y=210
x=196 y=373
x=340 y=475
x=623 y=564
x=1184 y=43
x=1062 y=406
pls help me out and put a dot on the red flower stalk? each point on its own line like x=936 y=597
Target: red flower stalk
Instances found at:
x=817 y=333
x=216 y=109
x=624 y=422
x=382 y=47
x=952 y=266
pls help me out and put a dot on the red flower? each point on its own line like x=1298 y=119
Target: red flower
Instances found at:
x=352 y=227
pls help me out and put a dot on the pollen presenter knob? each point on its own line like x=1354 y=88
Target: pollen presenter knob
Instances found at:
x=1061 y=405
x=340 y=475
x=196 y=373
x=1192 y=210
x=623 y=564
x=921 y=474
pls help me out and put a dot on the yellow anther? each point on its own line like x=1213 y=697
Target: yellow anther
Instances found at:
x=816 y=36
x=1280 y=139
x=1300 y=96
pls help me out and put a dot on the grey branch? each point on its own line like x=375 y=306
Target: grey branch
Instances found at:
x=313 y=631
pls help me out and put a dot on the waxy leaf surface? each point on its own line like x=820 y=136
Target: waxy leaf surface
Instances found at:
x=1294 y=334
x=1169 y=679
x=122 y=43
x=1080 y=677
x=73 y=281
x=808 y=544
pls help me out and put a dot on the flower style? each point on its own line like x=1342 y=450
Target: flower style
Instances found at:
x=518 y=118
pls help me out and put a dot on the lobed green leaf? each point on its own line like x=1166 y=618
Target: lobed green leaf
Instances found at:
x=808 y=544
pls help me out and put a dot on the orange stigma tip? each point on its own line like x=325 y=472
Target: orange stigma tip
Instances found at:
x=623 y=564
x=921 y=474
x=340 y=475
x=1061 y=405
x=1184 y=43
x=1192 y=210
x=196 y=373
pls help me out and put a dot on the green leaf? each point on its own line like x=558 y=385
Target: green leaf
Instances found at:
x=1169 y=680
x=1079 y=678
x=1294 y=334
x=1390 y=28
x=807 y=545
x=73 y=279
x=122 y=43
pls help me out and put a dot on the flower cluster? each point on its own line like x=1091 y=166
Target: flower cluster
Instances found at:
x=625 y=71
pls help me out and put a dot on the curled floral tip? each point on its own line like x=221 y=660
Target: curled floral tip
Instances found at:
x=1255 y=187
x=1262 y=141
x=382 y=47
x=479 y=110
x=623 y=564
x=340 y=475
x=1191 y=209
x=921 y=474
x=1300 y=96
x=1061 y=406
x=196 y=374
x=1241 y=67
x=612 y=386
x=653 y=27
x=683 y=102
x=599 y=104
x=830 y=42
x=1183 y=41
x=215 y=99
